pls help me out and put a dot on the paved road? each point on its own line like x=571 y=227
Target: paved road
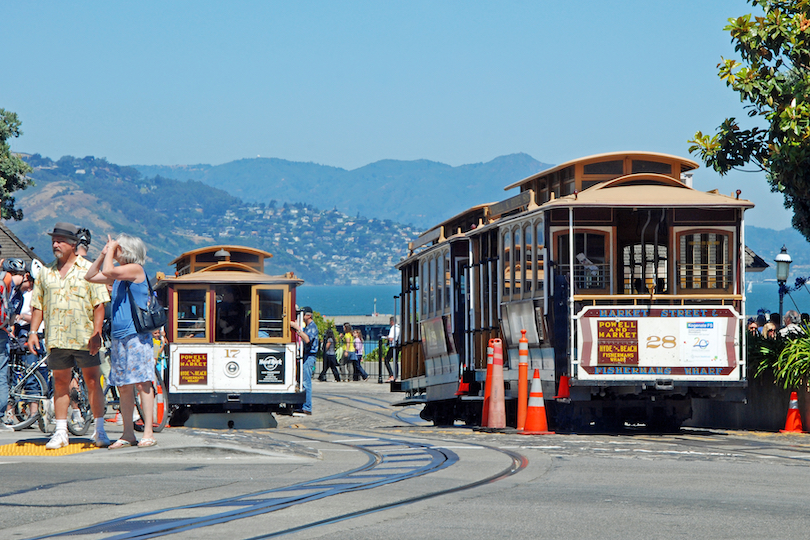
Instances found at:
x=360 y=469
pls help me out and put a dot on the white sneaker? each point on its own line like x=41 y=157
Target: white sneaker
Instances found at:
x=5 y=427
x=8 y=418
x=101 y=440
x=58 y=440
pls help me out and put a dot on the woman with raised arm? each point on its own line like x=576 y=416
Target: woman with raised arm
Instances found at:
x=132 y=361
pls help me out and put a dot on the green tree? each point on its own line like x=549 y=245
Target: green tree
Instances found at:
x=13 y=170
x=773 y=80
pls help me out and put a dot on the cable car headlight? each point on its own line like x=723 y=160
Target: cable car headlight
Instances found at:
x=232 y=369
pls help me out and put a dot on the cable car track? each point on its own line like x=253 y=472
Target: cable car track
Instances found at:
x=389 y=461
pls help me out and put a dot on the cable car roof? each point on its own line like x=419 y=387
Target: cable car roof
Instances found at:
x=233 y=276
x=647 y=190
x=230 y=248
x=685 y=164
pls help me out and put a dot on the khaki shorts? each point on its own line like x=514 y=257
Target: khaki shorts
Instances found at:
x=68 y=358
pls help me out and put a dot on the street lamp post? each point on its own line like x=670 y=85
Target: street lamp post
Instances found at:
x=782 y=261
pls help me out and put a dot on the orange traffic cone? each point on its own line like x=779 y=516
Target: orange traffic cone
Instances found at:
x=496 y=419
x=564 y=391
x=523 y=381
x=793 y=424
x=487 y=387
x=536 y=423
x=160 y=405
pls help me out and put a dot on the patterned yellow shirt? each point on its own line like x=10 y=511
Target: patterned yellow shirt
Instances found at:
x=67 y=305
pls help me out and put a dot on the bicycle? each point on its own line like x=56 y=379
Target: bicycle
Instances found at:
x=28 y=386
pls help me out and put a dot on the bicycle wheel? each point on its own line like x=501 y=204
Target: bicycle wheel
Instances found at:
x=160 y=409
x=21 y=400
x=80 y=416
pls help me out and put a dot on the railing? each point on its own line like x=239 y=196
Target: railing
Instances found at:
x=589 y=276
x=704 y=276
x=663 y=299
x=369 y=362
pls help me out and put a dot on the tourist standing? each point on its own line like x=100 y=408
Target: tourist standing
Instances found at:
x=309 y=335
x=348 y=352
x=393 y=344
x=329 y=356
x=132 y=357
x=358 y=356
x=73 y=310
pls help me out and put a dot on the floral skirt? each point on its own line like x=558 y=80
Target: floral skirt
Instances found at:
x=132 y=359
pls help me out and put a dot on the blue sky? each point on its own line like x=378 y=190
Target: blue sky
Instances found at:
x=349 y=83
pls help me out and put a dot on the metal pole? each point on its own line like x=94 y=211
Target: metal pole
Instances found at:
x=379 y=360
x=781 y=300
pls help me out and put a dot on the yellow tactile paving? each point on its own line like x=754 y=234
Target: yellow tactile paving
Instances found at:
x=37 y=448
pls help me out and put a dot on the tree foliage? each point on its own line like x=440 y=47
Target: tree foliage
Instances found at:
x=13 y=170
x=772 y=78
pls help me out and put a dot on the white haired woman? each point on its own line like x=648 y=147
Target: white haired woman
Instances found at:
x=132 y=362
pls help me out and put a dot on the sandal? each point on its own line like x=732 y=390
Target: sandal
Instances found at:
x=146 y=442
x=121 y=443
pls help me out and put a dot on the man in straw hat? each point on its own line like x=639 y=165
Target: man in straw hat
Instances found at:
x=73 y=309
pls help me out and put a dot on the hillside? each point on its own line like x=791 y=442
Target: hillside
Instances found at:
x=418 y=192
x=322 y=247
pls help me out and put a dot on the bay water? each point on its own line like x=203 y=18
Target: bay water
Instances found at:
x=331 y=300
x=369 y=299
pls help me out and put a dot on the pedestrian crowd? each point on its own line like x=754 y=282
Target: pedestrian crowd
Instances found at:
x=791 y=325
x=61 y=308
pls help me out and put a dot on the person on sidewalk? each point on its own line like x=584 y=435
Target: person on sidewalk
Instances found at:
x=329 y=357
x=393 y=344
x=73 y=310
x=309 y=335
x=358 y=356
x=132 y=355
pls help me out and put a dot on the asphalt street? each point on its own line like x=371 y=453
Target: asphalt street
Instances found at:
x=359 y=468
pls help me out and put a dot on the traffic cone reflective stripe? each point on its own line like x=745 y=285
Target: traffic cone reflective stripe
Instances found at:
x=523 y=382
x=793 y=423
x=536 y=423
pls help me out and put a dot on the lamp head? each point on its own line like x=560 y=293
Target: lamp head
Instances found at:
x=782 y=261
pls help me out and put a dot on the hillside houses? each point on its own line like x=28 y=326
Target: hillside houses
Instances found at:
x=326 y=247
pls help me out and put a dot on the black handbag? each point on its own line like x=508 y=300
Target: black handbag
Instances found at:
x=151 y=318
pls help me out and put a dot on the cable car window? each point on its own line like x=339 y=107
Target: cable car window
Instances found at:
x=447 y=283
x=604 y=167
x=192 y=313
x=268 y=316
x=705 y=261
x=529 y=263
x=432 y=285
x=643 y=166
x=590 y=264
x=507 y=264
x=233 y=306
x=439 y=283
x=540 y=242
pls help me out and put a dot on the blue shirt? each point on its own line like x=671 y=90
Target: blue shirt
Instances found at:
x=122 y=324
x=311 y=348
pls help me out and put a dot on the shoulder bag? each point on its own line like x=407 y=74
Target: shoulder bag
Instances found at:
x=151 y=318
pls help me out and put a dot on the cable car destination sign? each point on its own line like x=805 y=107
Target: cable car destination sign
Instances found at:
x=655 y=341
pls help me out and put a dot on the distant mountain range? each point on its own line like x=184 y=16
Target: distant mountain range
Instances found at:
x=420 y=193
